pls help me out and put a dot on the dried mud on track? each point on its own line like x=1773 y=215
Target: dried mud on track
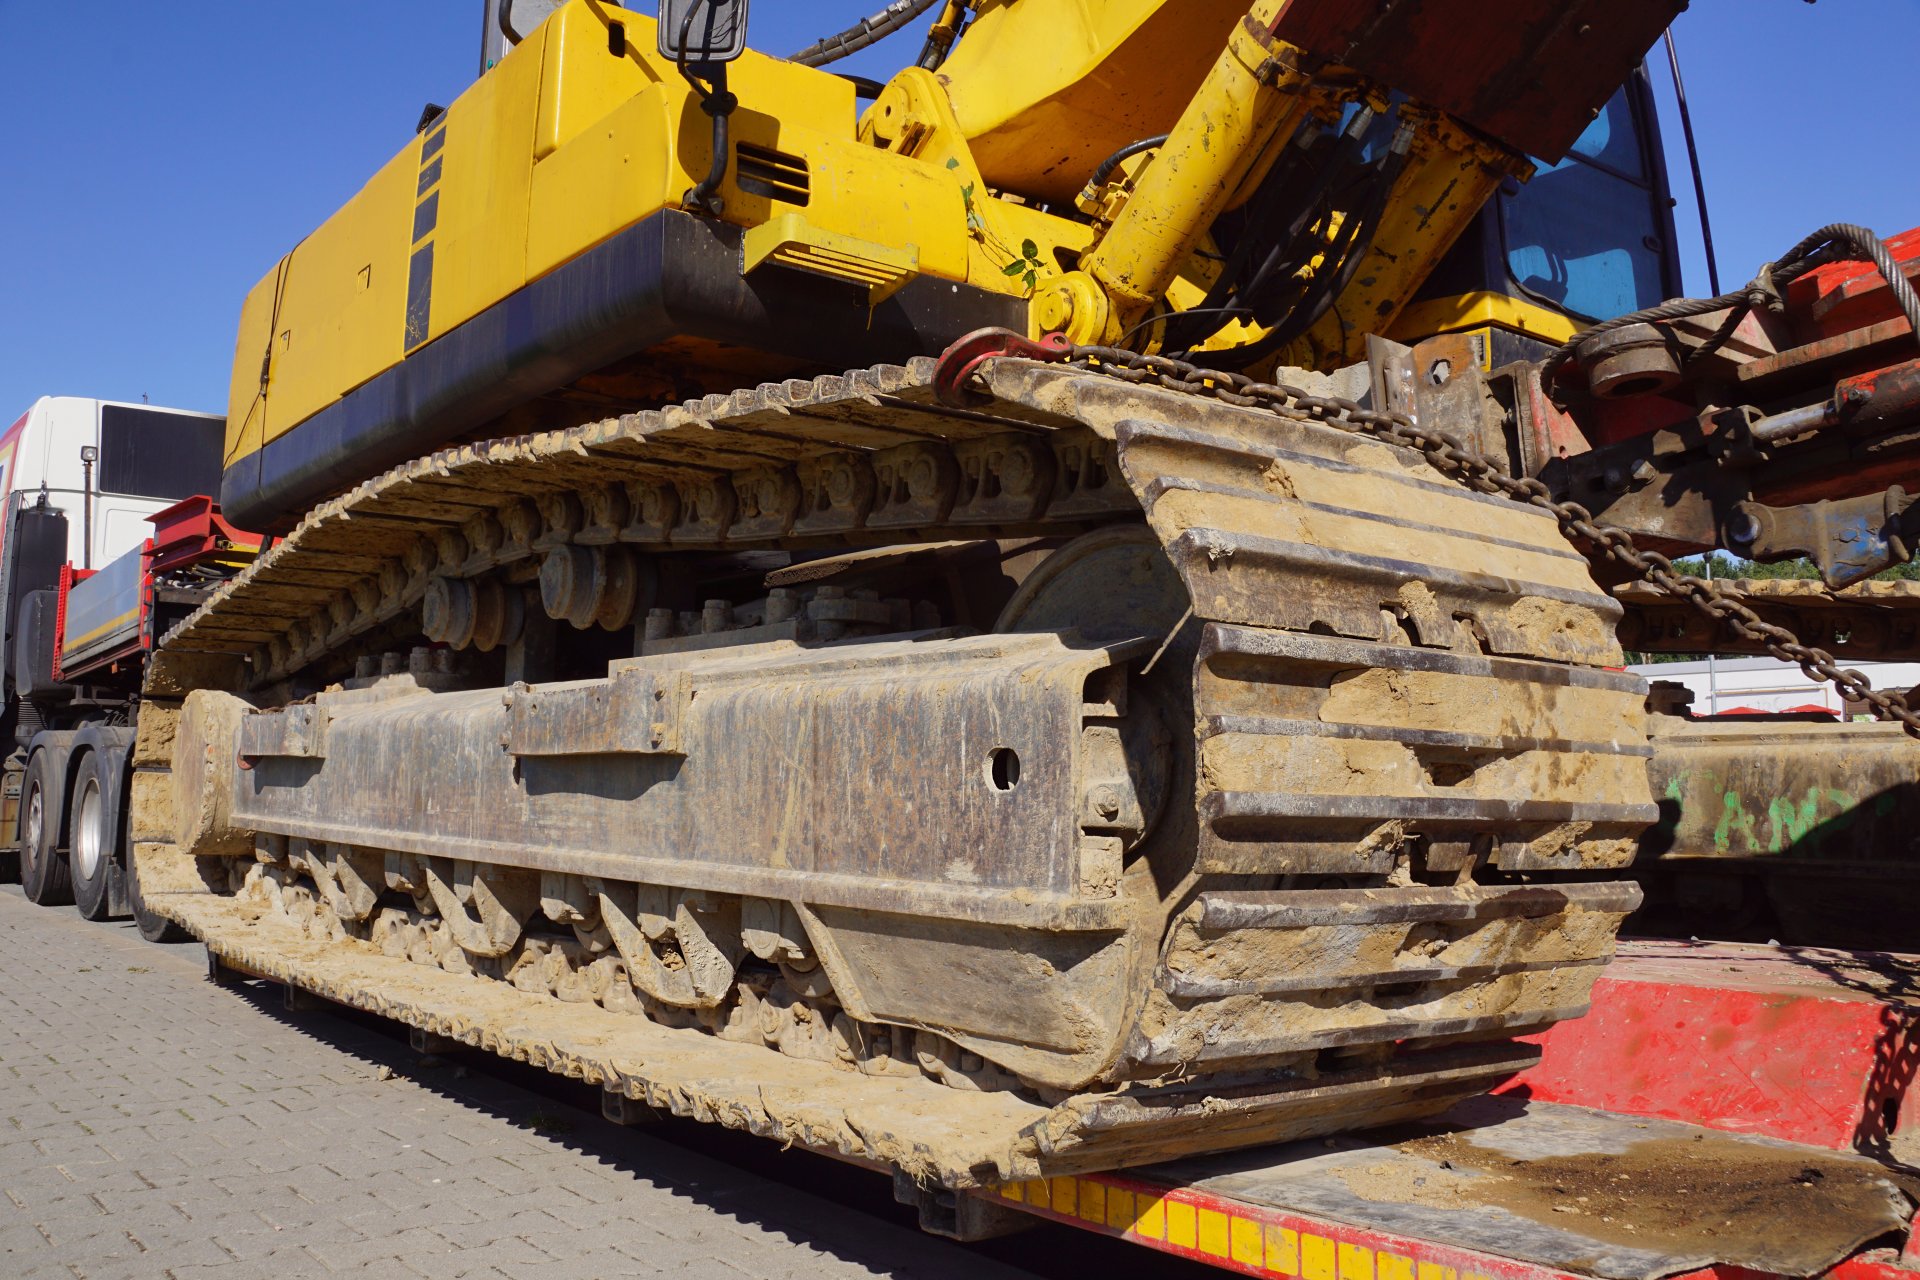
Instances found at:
x=154 y=1125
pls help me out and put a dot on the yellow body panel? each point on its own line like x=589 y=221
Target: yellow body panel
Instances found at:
x=479 y=244
x=334 y=310
x=589 y=189
x=560 y=146
x=1480 y=310
x=580 y=83
x=583 y=131
x=1044 y=92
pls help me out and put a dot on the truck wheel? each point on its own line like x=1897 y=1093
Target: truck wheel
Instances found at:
x=153 y=927
x=94 y=841
x=43 y=863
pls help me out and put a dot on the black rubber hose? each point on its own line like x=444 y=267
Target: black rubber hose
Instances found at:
x=1112 y=162
x=1354 y=241
x=869 y=30
x=864 y=89
x=1345 y=161
x=1229 y=298
x=1307 y=206
x=934 y=52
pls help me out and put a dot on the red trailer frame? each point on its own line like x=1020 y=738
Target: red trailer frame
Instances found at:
x=1817 y=1048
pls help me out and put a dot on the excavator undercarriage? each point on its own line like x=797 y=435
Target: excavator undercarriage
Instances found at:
x=1051 y=757
x=1166 y=776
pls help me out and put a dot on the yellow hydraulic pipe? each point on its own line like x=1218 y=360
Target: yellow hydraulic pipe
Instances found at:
x=1251 y=94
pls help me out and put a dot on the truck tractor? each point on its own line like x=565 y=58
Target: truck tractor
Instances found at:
x=108 y=539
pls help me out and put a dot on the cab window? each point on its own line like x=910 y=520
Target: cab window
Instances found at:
x=1584 y=234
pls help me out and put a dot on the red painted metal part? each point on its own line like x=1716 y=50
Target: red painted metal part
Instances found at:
x=1786 y=1043
x=192 y=530
x=961 y=360
x=68 y=576
x=1844 y=296
x=1554 y=432
x=1796 y=1044
x=1532 y=74
x=145 y=637
x=1881 y=399
x=1876 y=1264
x=1845 y=322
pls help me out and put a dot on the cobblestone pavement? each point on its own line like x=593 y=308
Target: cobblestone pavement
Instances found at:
x=155 y=1125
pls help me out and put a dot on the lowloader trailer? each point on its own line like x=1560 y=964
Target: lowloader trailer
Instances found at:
x=1724 y=1111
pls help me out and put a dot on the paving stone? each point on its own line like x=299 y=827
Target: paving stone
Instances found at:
x=155 y=1125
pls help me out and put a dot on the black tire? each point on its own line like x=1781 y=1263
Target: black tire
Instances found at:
x=153 y=927
x=43 y=812
x=94 y=840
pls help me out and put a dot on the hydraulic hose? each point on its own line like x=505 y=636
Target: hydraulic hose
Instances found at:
x=868 y=30
x=1112 y=162
x=719 y=104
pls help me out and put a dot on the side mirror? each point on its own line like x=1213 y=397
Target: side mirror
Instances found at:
x=696 y=31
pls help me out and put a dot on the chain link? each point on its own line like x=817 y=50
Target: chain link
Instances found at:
x=1453 y=457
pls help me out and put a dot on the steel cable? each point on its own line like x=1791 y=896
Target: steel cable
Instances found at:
x=1835 y=242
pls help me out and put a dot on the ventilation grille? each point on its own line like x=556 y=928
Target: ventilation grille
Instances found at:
x=772 y=174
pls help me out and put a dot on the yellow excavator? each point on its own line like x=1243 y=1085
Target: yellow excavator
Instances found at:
x=977 y=622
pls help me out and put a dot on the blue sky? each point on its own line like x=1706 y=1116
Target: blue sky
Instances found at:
x=158 y=158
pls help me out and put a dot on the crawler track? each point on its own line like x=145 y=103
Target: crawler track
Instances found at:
x=1400 y=710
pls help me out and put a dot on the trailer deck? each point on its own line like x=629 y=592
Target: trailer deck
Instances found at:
x=1745 y=1111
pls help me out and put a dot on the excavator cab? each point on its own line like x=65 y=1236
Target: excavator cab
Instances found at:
x=1586 y=239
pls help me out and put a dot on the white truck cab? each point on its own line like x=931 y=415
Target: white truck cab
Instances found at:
x=108 y=466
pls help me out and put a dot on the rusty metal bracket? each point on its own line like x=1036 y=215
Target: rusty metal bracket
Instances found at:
x=1848 y=540
x=298 y=732
x=635 y=712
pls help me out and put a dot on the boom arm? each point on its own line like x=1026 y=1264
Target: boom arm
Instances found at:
x=1288 y=64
